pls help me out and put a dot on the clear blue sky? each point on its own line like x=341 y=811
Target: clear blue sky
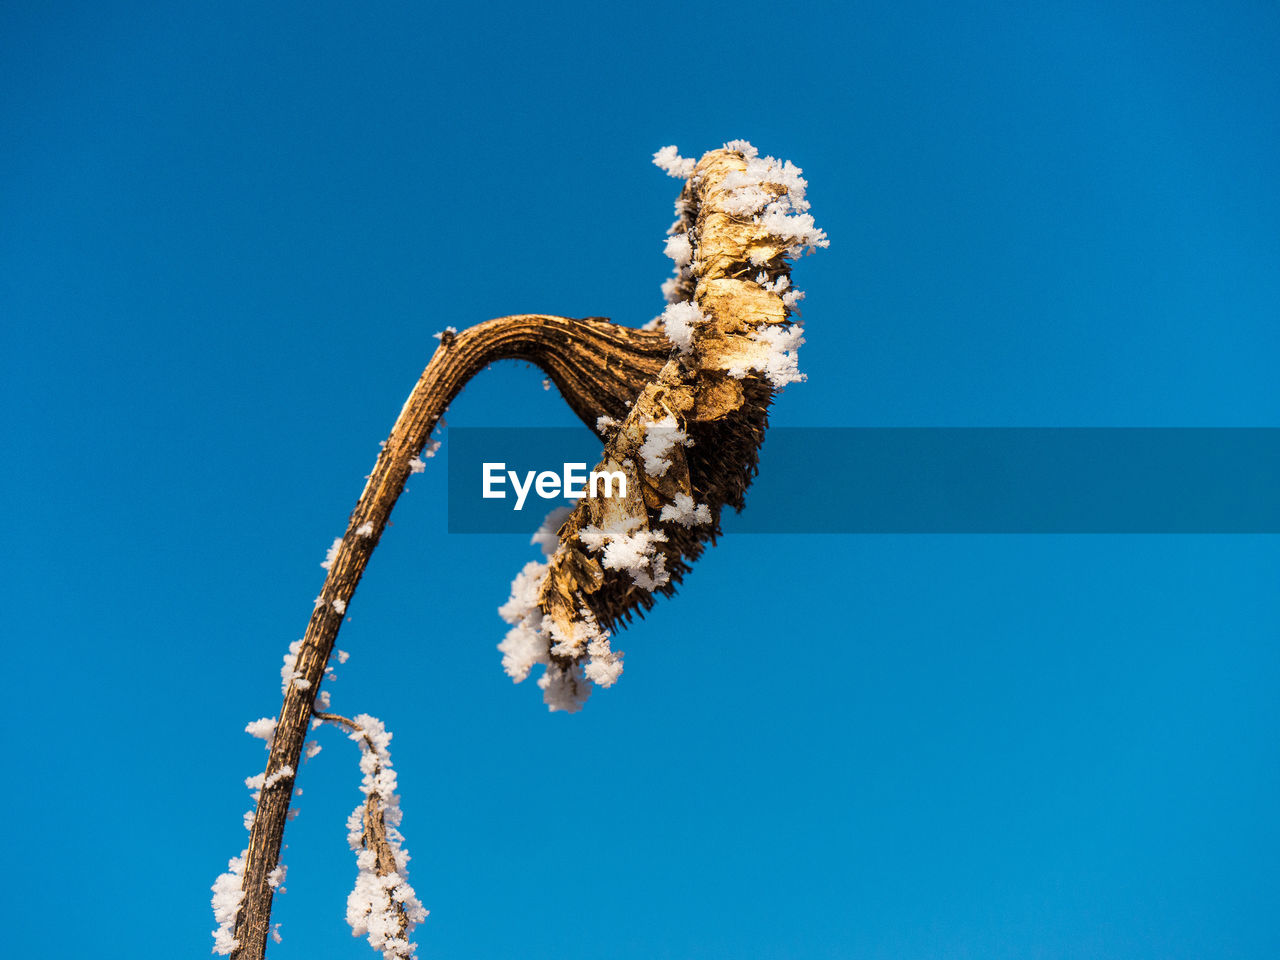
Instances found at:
x=227 y=233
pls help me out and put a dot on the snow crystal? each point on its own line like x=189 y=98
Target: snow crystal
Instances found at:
x=796 y=227
x=605 y=666
x=447 y=331
x=679 y=320
x=684 y=512
x=365 y=529
x=340 y=606
x=777 y=359
x=261 y=781
x=679 y=249
x=548 y=535
x=572 y=640
x=772 y=193
x=276 y=876
x=526 y=642
x=524 y=592
x=342 y=656
x=227 y=897
x=263 y=729
x=332 y=553
x=377 y=904
x=564 y=688
x=635 y=553
x=521 y=648
x=289 y=672
x=661 y=436
x=416 y=465
x=669 y=159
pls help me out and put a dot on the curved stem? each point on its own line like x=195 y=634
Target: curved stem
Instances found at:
x=598 y=366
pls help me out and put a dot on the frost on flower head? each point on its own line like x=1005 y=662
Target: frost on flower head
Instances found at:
x=688 y=445
x=669 y=159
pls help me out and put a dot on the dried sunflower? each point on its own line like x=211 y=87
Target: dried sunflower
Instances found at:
x=689 y=441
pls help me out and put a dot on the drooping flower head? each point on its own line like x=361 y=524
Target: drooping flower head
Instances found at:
x=689 y=443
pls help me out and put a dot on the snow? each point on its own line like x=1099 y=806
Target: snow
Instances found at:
x=669 y=159
x=572 y=640
x=772 y=192
x=684 y=512
x=289 y=672
x=365 y=529
x=660 y=437
x=679 y=249
x=526 y=643
x=340 y=606
x=263 y=729
x=227 y=897
x=679 y=321
x=276 y=876
x=577 y=654
x=776 y=358
x=670 y=291
x=377 y=902
x=630 y=550
x=261 y=781
x=564 y=689
x=548 y=535
x=332 y=553
x=522 y=647
x=605 y=666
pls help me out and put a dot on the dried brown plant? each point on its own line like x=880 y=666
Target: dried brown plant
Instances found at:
x=681 y=408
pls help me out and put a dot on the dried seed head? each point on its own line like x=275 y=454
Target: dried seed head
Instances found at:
x=689 y=443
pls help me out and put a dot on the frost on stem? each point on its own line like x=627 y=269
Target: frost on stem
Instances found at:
x=227 y=893
x=382 y=906
x=688 y=444
x=227 y=897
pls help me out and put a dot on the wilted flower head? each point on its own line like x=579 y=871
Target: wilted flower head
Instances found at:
x=689 y=443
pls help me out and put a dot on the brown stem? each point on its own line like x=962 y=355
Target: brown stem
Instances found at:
x=598 y=367
x=373 y=834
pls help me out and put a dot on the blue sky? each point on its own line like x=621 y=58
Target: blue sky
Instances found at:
x=227 y=233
